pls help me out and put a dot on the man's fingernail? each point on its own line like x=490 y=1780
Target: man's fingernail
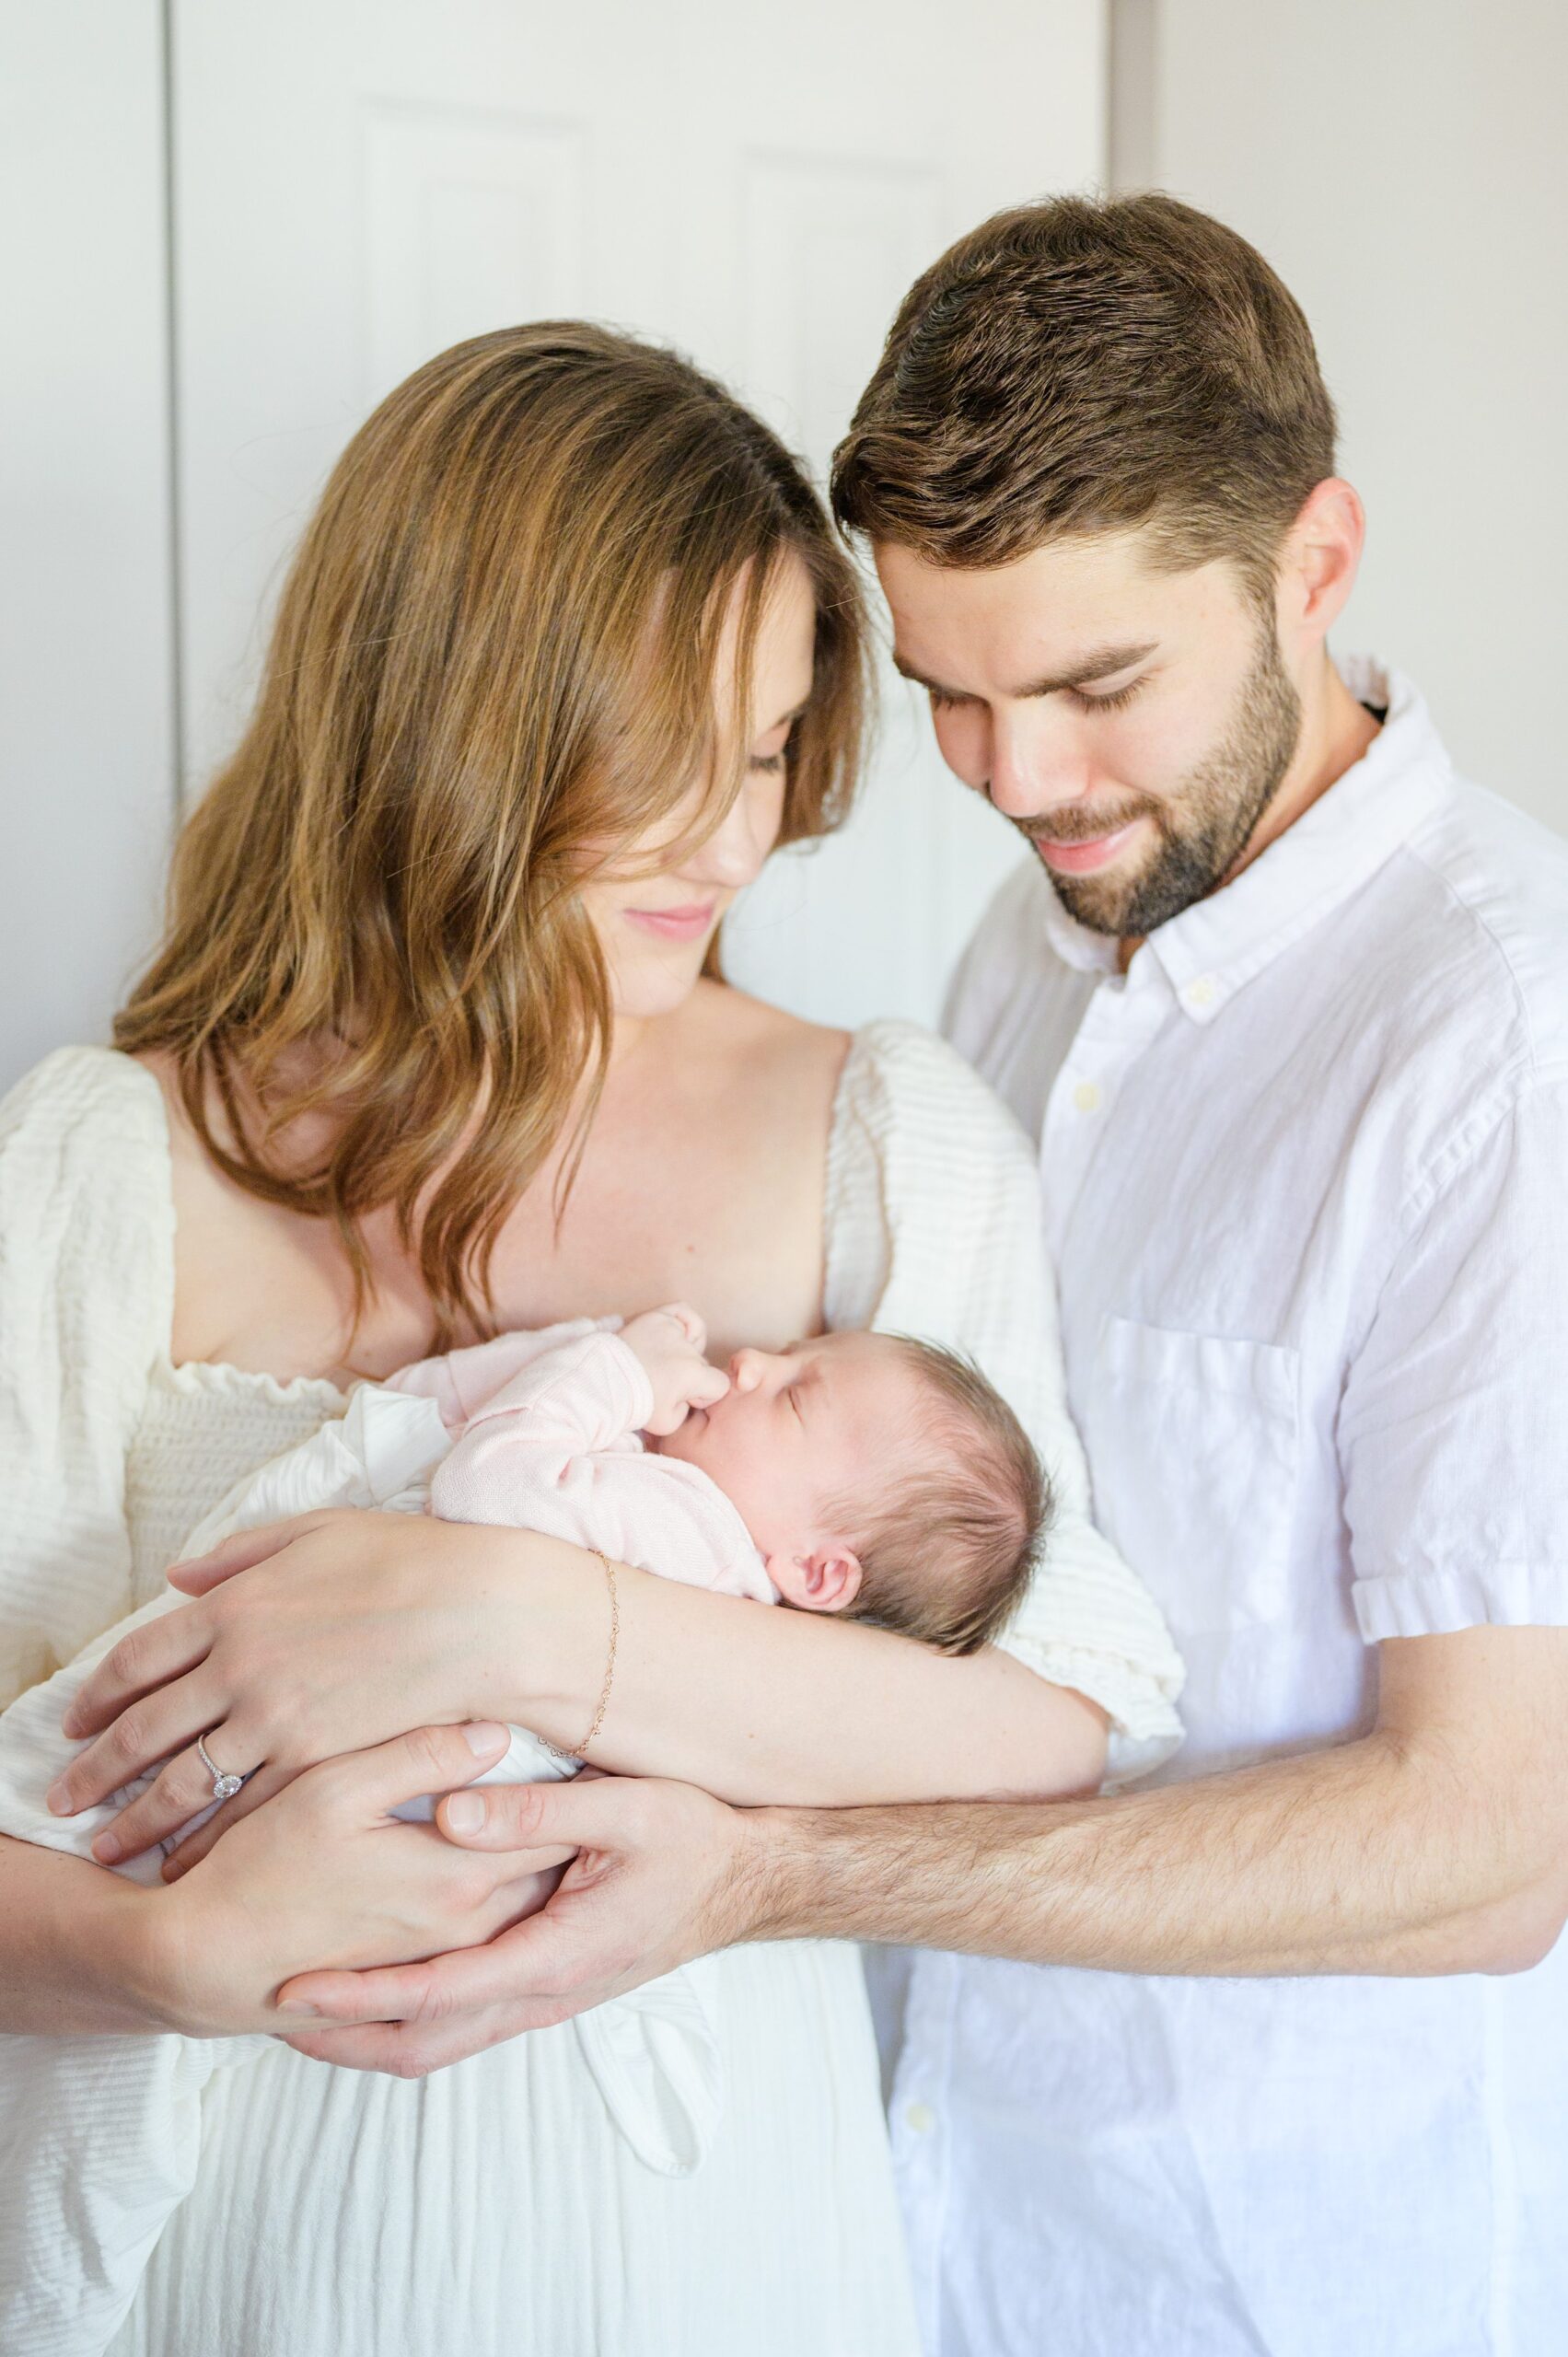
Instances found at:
x=298 y=2005
x=106 y=1849
x=484 y=1735
x=465 y=1812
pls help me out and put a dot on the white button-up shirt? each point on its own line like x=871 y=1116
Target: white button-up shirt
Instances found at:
x=1306 y=1182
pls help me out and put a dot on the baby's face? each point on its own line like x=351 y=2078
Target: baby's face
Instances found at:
x=797 y=1431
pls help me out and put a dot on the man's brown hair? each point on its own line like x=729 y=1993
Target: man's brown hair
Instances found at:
x=1086 y=364
x=948 y=1555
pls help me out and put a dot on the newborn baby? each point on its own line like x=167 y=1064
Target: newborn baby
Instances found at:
x=859 y=1473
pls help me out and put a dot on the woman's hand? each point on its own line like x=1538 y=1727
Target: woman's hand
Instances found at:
x=323 y=1876
x=307 y=1639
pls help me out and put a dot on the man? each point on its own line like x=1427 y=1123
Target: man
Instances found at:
x=1273 y=2058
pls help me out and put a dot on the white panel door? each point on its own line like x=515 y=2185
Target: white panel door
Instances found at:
x=361 y=183
x=86 y=704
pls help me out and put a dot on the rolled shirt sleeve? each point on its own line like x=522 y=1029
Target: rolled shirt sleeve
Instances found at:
x=1451 y=1429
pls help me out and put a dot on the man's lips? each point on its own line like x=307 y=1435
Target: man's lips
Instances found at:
x=1081 y=858
x=675 y=925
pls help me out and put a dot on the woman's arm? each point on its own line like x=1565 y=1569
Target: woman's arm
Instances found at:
x=341 y=1629
x=79 y=1949
x=762 y=1705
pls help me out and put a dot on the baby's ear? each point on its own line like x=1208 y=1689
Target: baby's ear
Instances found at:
x=826 y=1580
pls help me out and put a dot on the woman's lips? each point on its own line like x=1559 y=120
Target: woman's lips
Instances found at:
x=675 y=925
x=1079 y=859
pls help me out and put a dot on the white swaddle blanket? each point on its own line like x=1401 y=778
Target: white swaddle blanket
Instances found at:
x=548 y=1442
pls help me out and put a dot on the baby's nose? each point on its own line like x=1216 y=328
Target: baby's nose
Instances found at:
x=747 y=1368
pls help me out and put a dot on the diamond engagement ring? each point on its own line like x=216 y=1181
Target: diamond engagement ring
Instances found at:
x=223 y=1787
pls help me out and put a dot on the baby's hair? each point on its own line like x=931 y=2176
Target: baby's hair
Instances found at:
x=945 y=1558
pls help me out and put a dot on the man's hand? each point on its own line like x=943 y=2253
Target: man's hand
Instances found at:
x=670 y=1342
x=663 y=1873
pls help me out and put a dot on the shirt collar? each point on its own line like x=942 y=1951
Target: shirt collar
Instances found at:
x=1213 y=947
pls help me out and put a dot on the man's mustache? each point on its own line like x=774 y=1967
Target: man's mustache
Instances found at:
x=1085 y=826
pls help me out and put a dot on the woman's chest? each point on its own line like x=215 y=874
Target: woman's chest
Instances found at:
x=740 y=1237
x=723 y=1209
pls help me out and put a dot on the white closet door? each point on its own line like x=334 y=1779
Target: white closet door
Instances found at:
x=86 y=707
x=359 y=185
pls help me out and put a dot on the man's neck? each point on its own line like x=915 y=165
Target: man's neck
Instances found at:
x=1335 y=733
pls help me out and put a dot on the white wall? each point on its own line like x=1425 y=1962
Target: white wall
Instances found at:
x=1403 y=165
x=86 y=700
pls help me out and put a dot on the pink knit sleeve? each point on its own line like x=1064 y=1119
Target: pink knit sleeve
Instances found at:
x=575 y=1401
x=462 y=1382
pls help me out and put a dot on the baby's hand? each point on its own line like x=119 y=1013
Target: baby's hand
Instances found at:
x=669 y=1343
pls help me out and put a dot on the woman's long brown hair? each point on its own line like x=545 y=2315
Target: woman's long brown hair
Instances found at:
x=494 y=663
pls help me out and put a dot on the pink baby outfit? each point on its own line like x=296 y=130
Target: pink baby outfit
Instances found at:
x=549 y=1429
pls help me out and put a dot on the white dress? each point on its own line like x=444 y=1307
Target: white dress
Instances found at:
x=492 y=2207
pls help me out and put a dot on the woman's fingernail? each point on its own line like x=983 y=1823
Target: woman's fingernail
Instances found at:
x=298 y=2005
x=465 y=1812
x=106 y=1849
x=484 y=1735
x=70 y=1724
x=58 y=1798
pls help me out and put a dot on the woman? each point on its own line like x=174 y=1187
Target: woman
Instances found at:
x=436 y=1043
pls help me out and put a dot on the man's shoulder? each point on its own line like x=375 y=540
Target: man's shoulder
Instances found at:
x=1479 y=947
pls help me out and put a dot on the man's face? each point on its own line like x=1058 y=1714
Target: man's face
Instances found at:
x=1134 y=724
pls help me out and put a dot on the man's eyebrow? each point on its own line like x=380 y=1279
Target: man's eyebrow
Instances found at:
x=1098 y=663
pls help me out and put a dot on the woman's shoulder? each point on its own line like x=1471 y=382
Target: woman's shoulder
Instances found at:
x=82 y=1105
x=733 y=1018
x=900 y=1078
x=933 y=1213
x=743 y=1044
x=85 y=1168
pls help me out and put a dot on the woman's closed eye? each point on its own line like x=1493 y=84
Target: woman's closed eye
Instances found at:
x=774 y=762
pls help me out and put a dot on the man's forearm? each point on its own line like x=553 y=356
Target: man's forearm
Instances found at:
x=1367 y=1858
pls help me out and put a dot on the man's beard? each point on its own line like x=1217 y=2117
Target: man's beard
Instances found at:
x=1204 y=826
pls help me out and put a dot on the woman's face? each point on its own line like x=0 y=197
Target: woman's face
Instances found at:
x=655 y=922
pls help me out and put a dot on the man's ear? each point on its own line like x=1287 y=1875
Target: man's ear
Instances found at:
x=828 y=1580
x=1321 y=557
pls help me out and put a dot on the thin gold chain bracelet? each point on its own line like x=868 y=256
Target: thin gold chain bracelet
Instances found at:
x=608 y=1668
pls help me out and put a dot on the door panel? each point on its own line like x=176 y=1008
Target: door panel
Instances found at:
x=86 y=707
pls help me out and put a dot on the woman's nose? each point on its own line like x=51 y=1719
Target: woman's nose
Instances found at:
x=732 y=854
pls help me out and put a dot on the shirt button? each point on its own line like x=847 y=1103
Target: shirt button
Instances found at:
x=1204 y=992
x=1086 y=1096
x=921 y=2117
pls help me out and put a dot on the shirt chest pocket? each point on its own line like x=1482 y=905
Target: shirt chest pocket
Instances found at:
x=1194 y=1444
